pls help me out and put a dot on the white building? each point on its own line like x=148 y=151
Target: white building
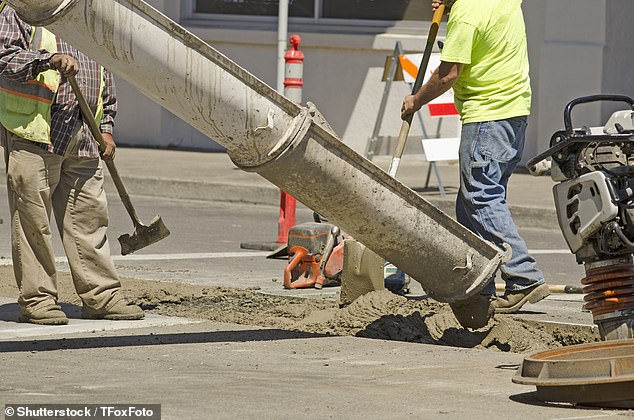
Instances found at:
x=576 y=48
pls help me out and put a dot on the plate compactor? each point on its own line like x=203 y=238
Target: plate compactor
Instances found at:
x=594 y=199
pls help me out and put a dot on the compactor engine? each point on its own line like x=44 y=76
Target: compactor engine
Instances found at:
x=594 y=199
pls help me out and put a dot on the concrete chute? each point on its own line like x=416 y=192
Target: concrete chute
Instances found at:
x=293 y=147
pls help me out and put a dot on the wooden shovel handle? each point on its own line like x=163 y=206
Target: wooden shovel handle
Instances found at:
x=89 y=119
x=420 y=76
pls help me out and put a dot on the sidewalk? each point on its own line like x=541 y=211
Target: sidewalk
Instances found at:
x=213 y=177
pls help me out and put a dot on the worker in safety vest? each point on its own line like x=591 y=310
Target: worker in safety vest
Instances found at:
x=485 y=61
x=53 y=163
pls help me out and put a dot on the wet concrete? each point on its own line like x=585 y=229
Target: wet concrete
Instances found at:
x=379 y=315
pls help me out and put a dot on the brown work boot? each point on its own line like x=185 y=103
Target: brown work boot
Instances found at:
x=47 y=315
x=118 y=310
x=512 y=302
x=474 y=312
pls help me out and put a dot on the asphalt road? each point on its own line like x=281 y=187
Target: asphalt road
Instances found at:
x=204 y=246
x=212 y=370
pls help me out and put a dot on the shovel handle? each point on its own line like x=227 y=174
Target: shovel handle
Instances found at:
x=420 y=76
x=86 y=113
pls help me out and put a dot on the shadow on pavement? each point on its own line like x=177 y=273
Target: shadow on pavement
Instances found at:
x=10 y=312
x=31 y=345
x=530 y=398
x=413 y=329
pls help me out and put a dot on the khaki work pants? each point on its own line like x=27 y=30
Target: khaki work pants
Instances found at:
x=72 y=187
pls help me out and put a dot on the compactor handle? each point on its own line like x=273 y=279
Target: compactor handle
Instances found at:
x=588 y=99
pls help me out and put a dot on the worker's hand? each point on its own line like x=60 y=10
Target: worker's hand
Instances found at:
x=111 y=146
x=410 y=105
x=65 y=64
x=435 y=4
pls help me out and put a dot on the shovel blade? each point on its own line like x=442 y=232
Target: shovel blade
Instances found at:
x=144 y=236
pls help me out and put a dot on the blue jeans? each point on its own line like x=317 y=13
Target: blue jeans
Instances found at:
x=489 y=151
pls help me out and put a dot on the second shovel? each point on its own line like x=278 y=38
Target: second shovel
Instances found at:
x=143 y=235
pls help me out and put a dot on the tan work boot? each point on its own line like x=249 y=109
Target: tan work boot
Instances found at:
x=47 y=315
x=119 y=310
x=512 y=302
x=474 y=312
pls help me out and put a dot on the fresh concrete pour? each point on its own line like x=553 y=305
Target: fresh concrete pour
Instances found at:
x=380 y=315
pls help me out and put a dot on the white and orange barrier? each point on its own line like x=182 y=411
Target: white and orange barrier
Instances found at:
x=443 y=106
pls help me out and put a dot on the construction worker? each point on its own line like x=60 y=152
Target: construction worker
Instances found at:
x=53 y=164
x=485 y=61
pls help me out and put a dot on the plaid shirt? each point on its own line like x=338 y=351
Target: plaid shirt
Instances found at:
x=18 y=63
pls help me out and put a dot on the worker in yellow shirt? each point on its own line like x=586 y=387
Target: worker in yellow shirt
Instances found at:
x=485 y=61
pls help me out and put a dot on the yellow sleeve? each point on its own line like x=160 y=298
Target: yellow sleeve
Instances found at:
x=458 y=43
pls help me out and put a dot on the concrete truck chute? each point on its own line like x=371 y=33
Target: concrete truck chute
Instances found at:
x=293 y=147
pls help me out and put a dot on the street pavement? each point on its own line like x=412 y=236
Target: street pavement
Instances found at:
x=211 y=370
x=212 y=176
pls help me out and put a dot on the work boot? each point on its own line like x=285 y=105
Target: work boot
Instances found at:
x=512 y=301
x=47 y=315
x=474 y=312
x=119 y=310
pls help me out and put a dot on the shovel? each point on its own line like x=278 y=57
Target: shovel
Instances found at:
x=420 y=76
x=143 y=235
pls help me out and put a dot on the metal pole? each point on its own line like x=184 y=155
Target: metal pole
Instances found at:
x=282 y=36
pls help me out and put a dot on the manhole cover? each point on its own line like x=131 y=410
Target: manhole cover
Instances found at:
x=600 y=374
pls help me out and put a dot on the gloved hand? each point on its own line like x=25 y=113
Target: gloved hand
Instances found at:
x=65 y=64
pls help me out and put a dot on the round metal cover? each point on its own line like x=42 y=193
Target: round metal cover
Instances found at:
x=600 y=374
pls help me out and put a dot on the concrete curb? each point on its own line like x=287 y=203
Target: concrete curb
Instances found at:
x=214 y=178
x=268 y=194
x=196 y=190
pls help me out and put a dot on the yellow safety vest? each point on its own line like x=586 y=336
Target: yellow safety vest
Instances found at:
x=25 y=108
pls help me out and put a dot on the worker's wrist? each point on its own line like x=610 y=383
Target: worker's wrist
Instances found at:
x=418 y=101
x=106 y=128
x=45 y=62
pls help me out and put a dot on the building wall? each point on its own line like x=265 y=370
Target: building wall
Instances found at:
x=618 y=76
x=573 y=52
x=566 y=39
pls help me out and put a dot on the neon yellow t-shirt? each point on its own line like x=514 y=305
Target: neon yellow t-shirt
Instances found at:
x=488 y=37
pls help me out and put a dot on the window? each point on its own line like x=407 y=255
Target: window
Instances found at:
x=377 y=9
x=296 y=8
x=322 y=10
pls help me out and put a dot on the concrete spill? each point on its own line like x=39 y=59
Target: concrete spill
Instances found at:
x=377 y=315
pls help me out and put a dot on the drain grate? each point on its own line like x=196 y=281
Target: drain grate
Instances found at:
x=598 y=374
